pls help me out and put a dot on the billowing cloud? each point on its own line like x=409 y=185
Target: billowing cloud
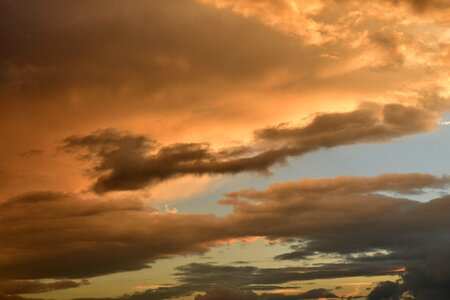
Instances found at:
x=152 y=68
x=130 y=162
x=377 y=230
x=293 y=207
x=88 y=230
x=87 y=237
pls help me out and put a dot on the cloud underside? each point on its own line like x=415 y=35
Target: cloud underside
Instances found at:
x=132 y=162
x=89 y=237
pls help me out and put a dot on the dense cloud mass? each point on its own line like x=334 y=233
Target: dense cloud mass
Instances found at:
x=386 y=290
x=315 y=211
x=232 y=282
x=10 y=287
x=177 y=88
x=292 y=207
x=86 y=54
x=85 y=238
x=130 y=162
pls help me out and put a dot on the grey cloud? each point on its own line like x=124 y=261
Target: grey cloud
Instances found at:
x=316 y=211
x=224 y=293
x=386 y=290
x=72 y=237
x=228 y=282
x=430 y=280
x=207 y=275
x=11 y=287
x=414 y=234
x=14 y=297
x=130 y=162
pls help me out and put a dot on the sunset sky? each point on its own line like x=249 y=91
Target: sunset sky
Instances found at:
x=225 y=149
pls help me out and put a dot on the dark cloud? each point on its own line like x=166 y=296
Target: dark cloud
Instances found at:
x=422 y=5
x=228 y=281
x=412 y=235
x=419 y=6
x=316 y=294
x=88 y=236
x=223 y=293
x=11 y=287
x=370 y=123
x=219 y=293
x=207 y=275
x=63 y=63
x=386 y=290
x=293 y=207
x=14 y=297
x=130 y=51
x=130 y=162
x=32 y=152
x=127 y=162
x=430 y=280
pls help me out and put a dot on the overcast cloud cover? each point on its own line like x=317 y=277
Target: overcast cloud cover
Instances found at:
x=114 y=112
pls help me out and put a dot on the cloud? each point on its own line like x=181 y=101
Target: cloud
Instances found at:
x=14 y=297
x=90 y=236
x=422 y=5
x=247 y=277
x=430 y=280
x=316 y=211
x=184 y=68
x=386 y=290
x=316 y=294
x=152 y=68
x=131 y=162
x=228 y=281
x=224 y=293
x=11 y=287
x=219 y=293
x=427 y=281
x=109 y=49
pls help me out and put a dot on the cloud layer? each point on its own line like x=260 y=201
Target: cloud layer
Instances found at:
x=131 y=162
x=88 y=237
x=180 y=86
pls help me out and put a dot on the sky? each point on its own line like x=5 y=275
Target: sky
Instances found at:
x=225 y=149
